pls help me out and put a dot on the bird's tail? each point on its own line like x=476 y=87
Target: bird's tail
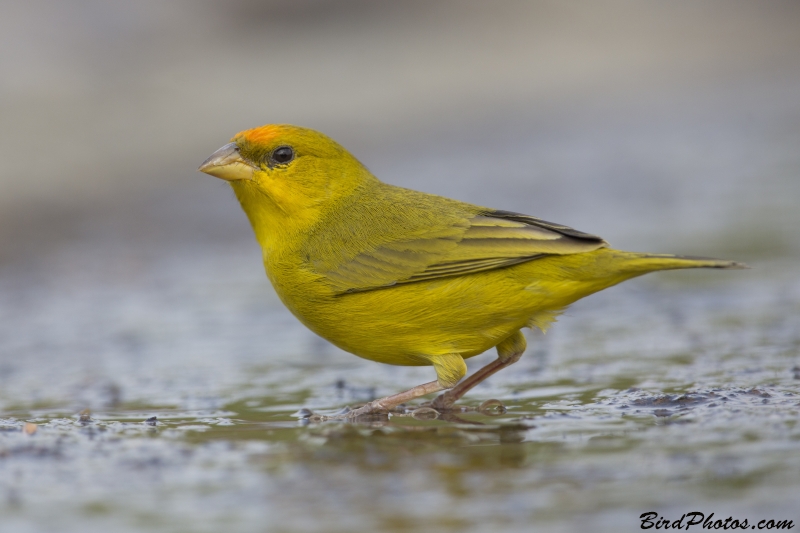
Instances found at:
x=602 y=268
x=568 y=278
x=642 y=263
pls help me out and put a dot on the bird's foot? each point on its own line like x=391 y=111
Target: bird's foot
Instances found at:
x=443 y=403
x=492 y=408
x=373 y=408
x=447 y=404
x=367 y=414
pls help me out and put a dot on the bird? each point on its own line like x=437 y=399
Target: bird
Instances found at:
x=405 y=277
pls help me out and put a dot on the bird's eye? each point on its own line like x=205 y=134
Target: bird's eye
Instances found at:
x=281 y=155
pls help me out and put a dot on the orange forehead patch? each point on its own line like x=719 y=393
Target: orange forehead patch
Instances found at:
x=262 y=134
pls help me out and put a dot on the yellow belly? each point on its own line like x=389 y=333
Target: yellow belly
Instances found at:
x=407 y=324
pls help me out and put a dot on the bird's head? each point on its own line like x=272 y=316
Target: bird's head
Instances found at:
x=286 y=171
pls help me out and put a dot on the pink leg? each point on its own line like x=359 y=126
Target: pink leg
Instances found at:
x=509 y=351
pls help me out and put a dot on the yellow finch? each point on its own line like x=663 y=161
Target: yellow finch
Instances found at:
x=404 y=277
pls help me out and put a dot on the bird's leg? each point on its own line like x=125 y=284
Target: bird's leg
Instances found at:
x=450 y=368
x=508 y=352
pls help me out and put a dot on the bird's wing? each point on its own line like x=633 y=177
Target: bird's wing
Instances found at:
x=486 y=241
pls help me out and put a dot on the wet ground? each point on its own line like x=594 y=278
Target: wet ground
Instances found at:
x=174 y=401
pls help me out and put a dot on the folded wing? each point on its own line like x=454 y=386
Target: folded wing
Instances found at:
x=486 y=241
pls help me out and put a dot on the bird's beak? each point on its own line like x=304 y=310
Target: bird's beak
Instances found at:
x=227 y=164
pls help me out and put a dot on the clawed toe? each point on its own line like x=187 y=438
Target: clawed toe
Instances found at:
x=441 y=407
x=492 y=408
x=371 y=409
x=442 y=403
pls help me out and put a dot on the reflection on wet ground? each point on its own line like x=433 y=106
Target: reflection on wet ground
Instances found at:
x=692 y=406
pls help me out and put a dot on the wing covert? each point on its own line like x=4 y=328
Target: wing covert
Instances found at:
x=486 y=241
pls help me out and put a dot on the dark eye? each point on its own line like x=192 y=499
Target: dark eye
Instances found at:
x=281 y=155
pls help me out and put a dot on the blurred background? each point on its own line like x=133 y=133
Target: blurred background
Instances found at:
x=131 y=285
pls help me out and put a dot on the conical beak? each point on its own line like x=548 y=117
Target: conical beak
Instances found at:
x=227 y=164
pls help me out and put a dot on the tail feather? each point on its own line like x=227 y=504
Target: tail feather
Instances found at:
x=565 y=279
x=638 y=262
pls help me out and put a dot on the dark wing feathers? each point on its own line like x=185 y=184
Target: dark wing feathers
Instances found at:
x=533 y=221
x=490 y=240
